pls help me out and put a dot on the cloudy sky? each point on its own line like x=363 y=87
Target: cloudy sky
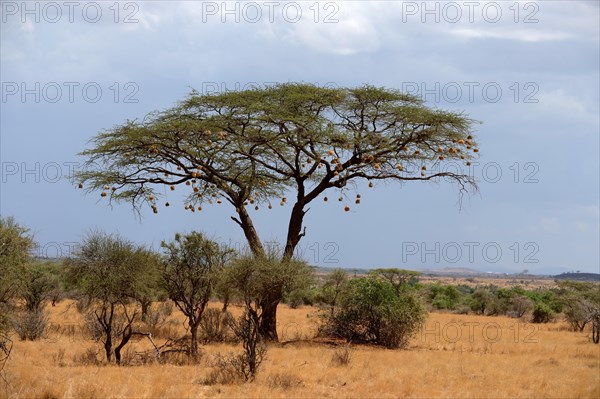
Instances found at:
x=529 y=71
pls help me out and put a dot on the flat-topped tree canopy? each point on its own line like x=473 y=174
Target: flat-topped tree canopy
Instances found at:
x=252 y=147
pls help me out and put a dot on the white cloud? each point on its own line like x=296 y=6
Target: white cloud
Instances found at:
x=511 y=34
x=27 y=26
x=546 y=225
x=549 y=225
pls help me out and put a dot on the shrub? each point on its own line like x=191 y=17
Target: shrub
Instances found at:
x=233 y=368
x=30 y=325
x=246 y=329
x=157 y=315
x=373 y=311
x=59 y=358
x=4 y=319
x=214 y=326
x=481 y=300
x=542 y=313
x=223 y=372
x=301 y=296
x=341 y=356
x=284 y=381
x=88 y=358
x=520 y=305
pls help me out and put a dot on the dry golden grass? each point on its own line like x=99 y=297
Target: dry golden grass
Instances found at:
x=455 y=356
x=507 y=282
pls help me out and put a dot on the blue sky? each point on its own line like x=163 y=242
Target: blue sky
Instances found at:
x=529 y=71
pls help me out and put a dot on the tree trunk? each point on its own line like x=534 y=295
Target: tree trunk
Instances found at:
x=145 y=306
x=225 y=303
x=268 y=322
x=294 y=230
x=194 y=341
x=107 y=327
x=108 y=347
x=126 y=336
x=250 y=233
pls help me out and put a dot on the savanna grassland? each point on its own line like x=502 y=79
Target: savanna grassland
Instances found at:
x=454 y=355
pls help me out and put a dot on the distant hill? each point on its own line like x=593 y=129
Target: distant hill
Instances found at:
x=578 y=276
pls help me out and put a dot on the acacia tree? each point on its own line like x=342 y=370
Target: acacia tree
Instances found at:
x=398 y=278
x=111 y=271
x=252 y=147
x=581 y=302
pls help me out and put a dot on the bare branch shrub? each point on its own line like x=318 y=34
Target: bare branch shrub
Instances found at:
x=30 y=325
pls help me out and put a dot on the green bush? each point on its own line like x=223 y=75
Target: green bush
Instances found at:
x=372 y=311
x=542 y=313
x=444 y=297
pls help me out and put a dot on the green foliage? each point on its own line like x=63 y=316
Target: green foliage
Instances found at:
x=481 y=300
x=256 y=280
x=253 y=279
x=252 y=144
x=520 y=305
x=372 y=311
x=110 y=271
x=15 y=245
x=398 y=278
x=542 y=313
x=334 y=286
x=190 y=270
x=580 y=302
x=39 y=281
x=301 y=296
x=189 y=275
x=110 y=268
x=444 y=297
x=546 y=297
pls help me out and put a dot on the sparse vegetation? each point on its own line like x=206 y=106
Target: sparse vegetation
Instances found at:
x=566 y=364
x=110 y=280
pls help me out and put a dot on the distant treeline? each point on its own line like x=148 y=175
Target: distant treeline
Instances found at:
x=578 y=276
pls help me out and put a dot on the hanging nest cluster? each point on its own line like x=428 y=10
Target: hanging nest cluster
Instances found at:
x=459 y=149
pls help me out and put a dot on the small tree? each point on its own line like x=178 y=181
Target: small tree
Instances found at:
x=481 y=300
x=333 y=288
x=189 y=275
x=398 y=278
x=580 y=302
x=148 y=286
x=109 y=270
x=15 y=246
x=38 y=281
x=252 y=278
x=520 y=305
